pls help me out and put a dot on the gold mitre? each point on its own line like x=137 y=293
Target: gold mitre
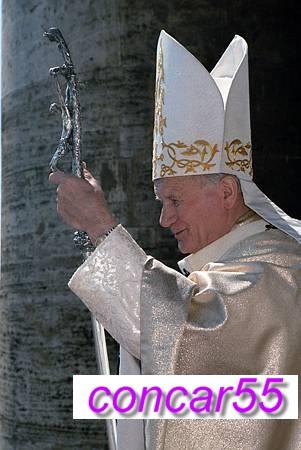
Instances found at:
x=202 y=122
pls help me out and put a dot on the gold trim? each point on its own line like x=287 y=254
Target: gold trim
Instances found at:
x=159 y=119
x=188 y=157
x=246 y=217
x=239 y=156
x=201 y=148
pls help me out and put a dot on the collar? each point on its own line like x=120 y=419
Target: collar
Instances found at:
x=215 y=250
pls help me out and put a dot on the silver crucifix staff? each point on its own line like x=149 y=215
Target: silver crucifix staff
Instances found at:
x=70 y=141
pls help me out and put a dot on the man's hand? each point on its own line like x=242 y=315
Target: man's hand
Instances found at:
x=81 y=203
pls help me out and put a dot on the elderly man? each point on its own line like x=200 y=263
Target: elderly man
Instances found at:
x=237 y=310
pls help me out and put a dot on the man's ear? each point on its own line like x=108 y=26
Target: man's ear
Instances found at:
x=229 y=191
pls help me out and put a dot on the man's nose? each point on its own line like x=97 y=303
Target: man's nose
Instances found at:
x=167 y=217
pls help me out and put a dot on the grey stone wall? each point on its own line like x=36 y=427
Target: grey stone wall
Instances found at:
x=45 y=331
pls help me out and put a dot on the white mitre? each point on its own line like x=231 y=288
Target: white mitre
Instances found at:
x=202 y=122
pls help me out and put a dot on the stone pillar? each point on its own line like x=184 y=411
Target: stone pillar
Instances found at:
x=45 y=330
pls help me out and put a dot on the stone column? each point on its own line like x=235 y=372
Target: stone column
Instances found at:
x=45 y=330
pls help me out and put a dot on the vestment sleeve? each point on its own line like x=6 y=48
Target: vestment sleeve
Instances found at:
x=239 y=315
x=236 y=314
x=108 y=282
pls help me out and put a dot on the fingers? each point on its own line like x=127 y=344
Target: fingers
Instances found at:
x=70 y=182
x=58 y=177
x=90 y=179
x=68 y=214
x=87 y=174
x=81 y=202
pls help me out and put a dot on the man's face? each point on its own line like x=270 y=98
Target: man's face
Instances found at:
x=193 y=210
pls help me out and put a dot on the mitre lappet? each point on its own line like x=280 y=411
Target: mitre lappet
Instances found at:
x=202 y=123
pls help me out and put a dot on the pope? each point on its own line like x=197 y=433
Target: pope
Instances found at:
x=236 y=306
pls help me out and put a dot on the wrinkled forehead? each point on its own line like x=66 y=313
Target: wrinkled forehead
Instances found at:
x=164 y=187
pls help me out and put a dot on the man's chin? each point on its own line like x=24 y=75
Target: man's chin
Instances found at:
x=182 y=248
x=185 y=249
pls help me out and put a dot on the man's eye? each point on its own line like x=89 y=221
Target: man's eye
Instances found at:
x=175 y=202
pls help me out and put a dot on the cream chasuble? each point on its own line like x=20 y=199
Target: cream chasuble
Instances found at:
x=238 y=312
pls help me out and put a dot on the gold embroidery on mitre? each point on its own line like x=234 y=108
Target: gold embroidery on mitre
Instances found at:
x=182 y=157
x=159 y=119
x=239 y=156
x=201 y=151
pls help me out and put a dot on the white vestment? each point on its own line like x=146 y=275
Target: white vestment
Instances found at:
x=238 y=312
